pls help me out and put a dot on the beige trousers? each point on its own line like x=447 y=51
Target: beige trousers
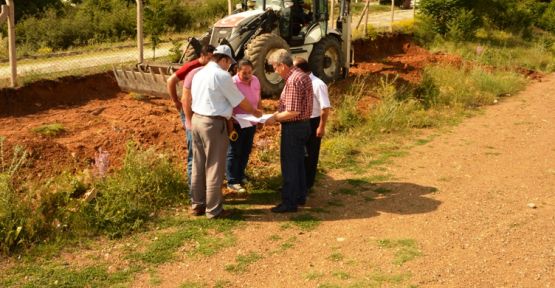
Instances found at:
x=210 y=143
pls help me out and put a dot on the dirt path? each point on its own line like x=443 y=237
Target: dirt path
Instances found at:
x=461 y=203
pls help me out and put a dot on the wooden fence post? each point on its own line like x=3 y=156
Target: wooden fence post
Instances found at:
x=8 y=13
x=140 y=36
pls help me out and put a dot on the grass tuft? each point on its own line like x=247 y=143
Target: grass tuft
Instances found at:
x=243 y=261
x=306 y=222
x=405 y=249
x=50 y=130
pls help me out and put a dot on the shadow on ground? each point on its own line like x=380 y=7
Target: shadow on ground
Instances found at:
x=333 y=200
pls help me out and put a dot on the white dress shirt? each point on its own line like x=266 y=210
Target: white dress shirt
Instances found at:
x=321 y=99
x=213 y=92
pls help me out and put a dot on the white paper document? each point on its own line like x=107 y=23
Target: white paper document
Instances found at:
x=245 y=120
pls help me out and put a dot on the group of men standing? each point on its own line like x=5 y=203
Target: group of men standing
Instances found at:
x=211 y=96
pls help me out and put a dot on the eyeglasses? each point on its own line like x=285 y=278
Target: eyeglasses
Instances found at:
x=275 y=66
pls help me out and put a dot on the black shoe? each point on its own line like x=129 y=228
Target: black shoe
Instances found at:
x=197 y=212
x=282 y=209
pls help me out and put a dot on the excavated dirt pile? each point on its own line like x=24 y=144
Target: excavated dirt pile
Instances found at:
x=95 y=114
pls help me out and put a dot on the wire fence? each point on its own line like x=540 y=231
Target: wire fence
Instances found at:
x=44 y=64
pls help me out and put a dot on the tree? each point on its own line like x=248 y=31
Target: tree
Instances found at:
x=155 y=21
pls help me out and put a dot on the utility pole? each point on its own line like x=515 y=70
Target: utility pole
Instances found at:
x=7 y=13
x=366 y=18
x=331 y=14
x=140 y=36
x=392 y=15
x=229 y=7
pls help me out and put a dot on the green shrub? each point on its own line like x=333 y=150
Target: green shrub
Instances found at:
x=15 y=227
x=462 y=26
x=393 y=115
x=346 y=115
x=472 y=87
x=439 y=13
x=547 y=20
x=132 y=195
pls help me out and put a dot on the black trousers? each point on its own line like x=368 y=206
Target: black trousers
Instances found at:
x=313 y=152
x=292 y=153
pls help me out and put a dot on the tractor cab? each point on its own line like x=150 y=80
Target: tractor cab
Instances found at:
x=296 y=17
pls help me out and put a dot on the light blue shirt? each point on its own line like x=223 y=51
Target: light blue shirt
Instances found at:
x=213 y=92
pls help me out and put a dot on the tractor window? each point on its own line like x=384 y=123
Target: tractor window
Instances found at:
x=276 y=5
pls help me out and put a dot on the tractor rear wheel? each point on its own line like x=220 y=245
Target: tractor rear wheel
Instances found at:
x=258 y=52
x=326 y=59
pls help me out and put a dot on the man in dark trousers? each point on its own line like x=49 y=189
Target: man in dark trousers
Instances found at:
x=318 y=118
x=295 y=107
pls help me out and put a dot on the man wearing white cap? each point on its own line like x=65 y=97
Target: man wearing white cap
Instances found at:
x=214 y=97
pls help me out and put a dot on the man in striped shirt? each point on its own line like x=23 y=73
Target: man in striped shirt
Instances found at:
x=295 y=108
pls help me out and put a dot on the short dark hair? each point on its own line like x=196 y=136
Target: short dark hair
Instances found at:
x=302 y=64
x=207 y=49
x=244 y=62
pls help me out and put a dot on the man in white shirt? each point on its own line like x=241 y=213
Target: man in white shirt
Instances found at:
x=320 y=111
x=214 y=95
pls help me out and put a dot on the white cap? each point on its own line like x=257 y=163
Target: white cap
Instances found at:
x=225 y=50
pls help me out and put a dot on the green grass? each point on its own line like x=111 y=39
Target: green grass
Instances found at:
x=288 y=244
x=191 y=284
x=336 y=257
x=358 y=182
x=505 y=50
x=346 y=191
x=222 y=284
x=242 y=262
x=306 y=222
x=335 y=203
x=274 y=237
x=313 y=275
x=318 y=210
x=50 y=130
x=209 y=237
x=423 y=141
x=446 y=95
x=405 y=249
x=382 y=190
x=60 y=275
x=368 y=199
x=342 y=275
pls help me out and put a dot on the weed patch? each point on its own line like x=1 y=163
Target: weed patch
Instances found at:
x=59 y=275
x=306 y=222
x=405 y=249
x=342 y=275
x=128 y=198
x=313 y=275
x=336 y=257
x=243 y=261
x=50 y=130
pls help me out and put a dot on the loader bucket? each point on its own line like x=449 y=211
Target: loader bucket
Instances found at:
x=148 y=79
